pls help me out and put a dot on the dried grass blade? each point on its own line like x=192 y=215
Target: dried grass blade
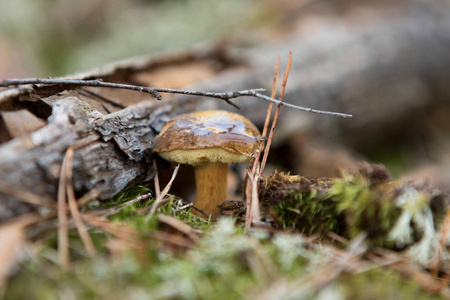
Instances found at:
x=162 y=195
x=255 y=200
x=272 y=95
x=63 y=232
x=122 y=231
x=251 y=186
x=275 y=118
x=268 y=115
x=88 y=197
x=249 y=208
x=156 y=179
x=252 y=215
x=12 y=237
x=179 y=226
x=85 y=237
x=25 y=196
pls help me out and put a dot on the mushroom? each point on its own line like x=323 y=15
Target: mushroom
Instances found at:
x=209 y=141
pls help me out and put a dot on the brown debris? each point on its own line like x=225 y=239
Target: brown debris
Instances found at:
x=232 y=208
x=376 y=173
x=279 y=185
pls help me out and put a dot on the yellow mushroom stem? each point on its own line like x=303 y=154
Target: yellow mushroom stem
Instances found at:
x=211 y=185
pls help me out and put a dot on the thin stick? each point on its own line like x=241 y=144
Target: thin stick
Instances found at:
x=184 y=207
x=269 y=112
x=156 y=179
x=252 y=214
x=255 y=200
x=226 y=96
x=251 y=186
x=275 y=118
x=272 y=95
x=114 y=210
x=162 y=195
x=85 y=237
x=63 y=233
x=93 y=83
x=306 y=109
x=249 y=208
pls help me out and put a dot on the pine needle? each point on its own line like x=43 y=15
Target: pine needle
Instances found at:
x=85 y=237
x=63 y=232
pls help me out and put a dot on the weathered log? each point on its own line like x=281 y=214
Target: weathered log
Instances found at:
x=111 y=151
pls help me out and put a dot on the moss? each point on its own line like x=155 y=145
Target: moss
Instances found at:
x=308 y=214
x=229 y=262
x=382 y=284
x=392 y=214
x=218 y=268
x=299 y=203
x=133 y=215
x=127 y=194
x=225 y=264
x=367 y=207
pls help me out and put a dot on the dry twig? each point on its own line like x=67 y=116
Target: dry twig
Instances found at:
x=253 y=215
x=252 y=210
x=226 y=96
x=268 y=116
x=162 y=195
x=114 y=210
x=275 y=118
x=184 y=207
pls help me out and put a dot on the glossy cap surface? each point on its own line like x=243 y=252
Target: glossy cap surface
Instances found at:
x=207 y=137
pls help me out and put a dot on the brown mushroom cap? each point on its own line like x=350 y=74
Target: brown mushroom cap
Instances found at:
x=207 y=137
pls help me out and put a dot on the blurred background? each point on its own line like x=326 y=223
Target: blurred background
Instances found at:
x=46 y=38
x=388 y=63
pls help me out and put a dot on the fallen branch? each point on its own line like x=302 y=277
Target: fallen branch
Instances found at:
x=227 y=96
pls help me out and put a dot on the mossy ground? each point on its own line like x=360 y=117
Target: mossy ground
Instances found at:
x=222 y=260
